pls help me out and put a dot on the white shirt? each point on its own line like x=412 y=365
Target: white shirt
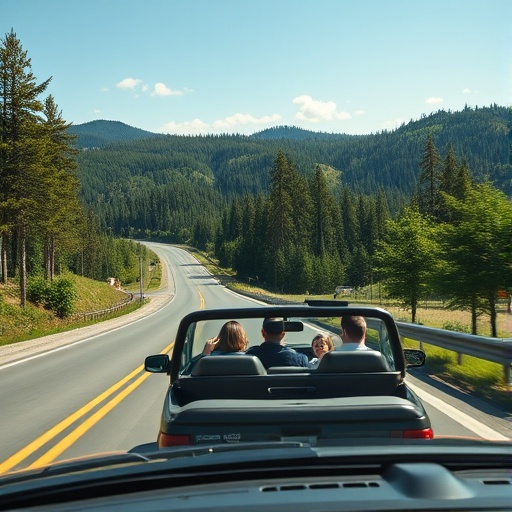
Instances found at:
x=354 y=346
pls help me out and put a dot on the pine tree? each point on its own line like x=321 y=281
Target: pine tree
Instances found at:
x=323 y=239
x=60 y=210
x=428 y=186
x=280 y=226
x=21 y=147
x=351 y=226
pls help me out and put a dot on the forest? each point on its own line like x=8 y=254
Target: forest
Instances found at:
x=425 y=209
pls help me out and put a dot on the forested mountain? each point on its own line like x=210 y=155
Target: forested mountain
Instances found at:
x=239 y=164
x=98 y=134
x=294 y=133
x=332 y=193
x=177 y=175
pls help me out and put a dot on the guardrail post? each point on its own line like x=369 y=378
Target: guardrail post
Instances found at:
x=507 y=375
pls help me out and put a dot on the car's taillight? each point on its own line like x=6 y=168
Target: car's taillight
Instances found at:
x=426 y=433
x=165 y=440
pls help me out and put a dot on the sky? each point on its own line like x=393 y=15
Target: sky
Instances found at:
x=193 y=67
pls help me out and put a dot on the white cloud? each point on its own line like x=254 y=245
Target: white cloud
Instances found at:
x=128 y=83
x=232 y=122
x=137 y=87
x=466 y=91
x=316 y=111
x=433 y=101
x=195 y=127
x=104 y=89
x=161 y=89
x=393 y=124
x=360 y=112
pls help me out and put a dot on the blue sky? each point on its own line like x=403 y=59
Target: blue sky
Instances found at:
x=240 y=66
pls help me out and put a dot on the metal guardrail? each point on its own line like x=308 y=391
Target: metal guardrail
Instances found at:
x=496 y=350
x=94 y=315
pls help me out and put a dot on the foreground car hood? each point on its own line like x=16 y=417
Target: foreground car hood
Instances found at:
x=423 y=475
x=458 y=450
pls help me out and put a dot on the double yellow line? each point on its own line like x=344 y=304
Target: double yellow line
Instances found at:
x=79 y=431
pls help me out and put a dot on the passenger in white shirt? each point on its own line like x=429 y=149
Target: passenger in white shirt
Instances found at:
x=353 y=333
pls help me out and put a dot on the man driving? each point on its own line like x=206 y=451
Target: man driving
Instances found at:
x=273 y=352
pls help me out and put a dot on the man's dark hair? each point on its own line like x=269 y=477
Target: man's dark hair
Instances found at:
x=273 y=325
x=354 y=326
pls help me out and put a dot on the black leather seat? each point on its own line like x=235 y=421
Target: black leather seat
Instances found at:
x=228 y=365
x=357 y=361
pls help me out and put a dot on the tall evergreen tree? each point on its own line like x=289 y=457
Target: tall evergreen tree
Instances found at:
x=322 y=235
x=455 y=181
x=300 y=194
x=21 y=147
x=280 y=225
x=428 y=183
x=351 y=226
x=60 y=209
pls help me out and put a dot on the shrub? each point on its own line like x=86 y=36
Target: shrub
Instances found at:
x=37 y=291
x=61 y=297
x=58 y=296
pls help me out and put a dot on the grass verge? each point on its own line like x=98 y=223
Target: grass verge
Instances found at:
x=21 y=324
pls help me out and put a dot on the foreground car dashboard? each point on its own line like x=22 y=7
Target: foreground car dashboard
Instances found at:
x=455 y=475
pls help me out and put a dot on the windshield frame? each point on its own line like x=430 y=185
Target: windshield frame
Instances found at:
x=286 y=311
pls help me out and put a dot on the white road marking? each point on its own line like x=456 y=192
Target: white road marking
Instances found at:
x=460 y=417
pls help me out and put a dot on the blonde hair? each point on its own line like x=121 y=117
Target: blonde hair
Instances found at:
x=232 y=337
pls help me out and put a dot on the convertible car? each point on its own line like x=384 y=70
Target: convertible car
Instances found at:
x=235 y=399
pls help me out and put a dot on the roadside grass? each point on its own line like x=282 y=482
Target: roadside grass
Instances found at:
x=475 y=376
x=20 y=324
x=484 y=379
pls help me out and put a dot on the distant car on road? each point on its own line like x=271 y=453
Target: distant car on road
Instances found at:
x=343 y=290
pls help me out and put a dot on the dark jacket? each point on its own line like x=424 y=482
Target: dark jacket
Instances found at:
x=274 y=354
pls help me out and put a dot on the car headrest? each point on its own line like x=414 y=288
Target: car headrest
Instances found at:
x=357 y=361
x=228 y=365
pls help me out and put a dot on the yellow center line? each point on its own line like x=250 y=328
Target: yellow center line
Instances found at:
x=72 y=437
x=53 y=432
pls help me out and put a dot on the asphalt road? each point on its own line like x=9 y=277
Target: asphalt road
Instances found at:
x=86 y=391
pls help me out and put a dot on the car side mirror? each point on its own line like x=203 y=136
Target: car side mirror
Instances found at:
x=157 y=364
x=414 y=358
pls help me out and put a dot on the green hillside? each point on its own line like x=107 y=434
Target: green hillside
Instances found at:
x=141 y=184
x=97 y=134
